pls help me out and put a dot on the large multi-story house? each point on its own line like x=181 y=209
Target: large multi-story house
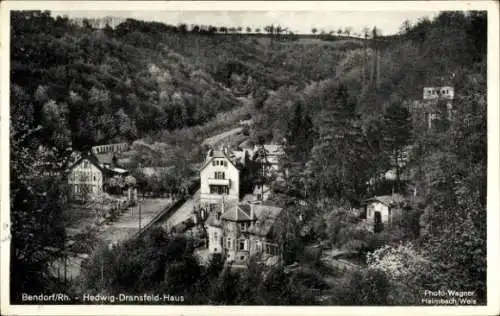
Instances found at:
x=240 y=231
x=219 y=177
x=90 y=174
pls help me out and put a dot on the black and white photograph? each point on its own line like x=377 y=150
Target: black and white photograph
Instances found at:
x=249 y=157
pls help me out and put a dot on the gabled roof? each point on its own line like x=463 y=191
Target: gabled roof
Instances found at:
x=216 y=154
x=90 y=156
x=237 y=214
x=388 y=200
x=265 y=216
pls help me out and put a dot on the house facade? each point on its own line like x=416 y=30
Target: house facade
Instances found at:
x=85 y=177
x=88 y=176
x=381 y=210
x=436 y=103
x=261 y=192
x=237 y=230
x=219 y=177
x=240 y=231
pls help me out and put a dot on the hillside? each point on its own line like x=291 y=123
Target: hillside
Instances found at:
x=104 y=87
x=139 y=78
x=342 y=109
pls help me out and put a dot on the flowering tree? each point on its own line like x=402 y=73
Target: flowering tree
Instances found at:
x=399 y=262
x=406 y=268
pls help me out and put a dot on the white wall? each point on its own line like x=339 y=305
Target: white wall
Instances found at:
x=231 y=173
x=377 y=207
x=83 y=174
x=214 y=241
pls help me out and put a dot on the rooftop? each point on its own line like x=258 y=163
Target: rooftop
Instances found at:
x=265 y=216
x=388 y=200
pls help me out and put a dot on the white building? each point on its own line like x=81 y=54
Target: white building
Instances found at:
x=85 y=177
x=383 y=209
x=219 y=177
x=445 y=92
x=88 y=176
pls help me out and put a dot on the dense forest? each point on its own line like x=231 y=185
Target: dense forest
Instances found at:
x=339 y=108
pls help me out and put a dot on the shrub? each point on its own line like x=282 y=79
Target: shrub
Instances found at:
x=369 y=287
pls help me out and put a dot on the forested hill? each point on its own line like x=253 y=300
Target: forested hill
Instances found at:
x=91 y=86
x=102 y=86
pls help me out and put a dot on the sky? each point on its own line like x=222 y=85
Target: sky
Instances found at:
x=297 y=21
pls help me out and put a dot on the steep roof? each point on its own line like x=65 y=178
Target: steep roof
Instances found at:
x=265 y=216
x=216 y=154
x=91 y=156
x=237 y=214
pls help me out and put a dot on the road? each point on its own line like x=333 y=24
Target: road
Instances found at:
x=217 y=138
x=182 y=213
x=128 y=223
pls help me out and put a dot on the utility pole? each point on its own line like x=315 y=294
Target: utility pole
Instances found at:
x=65 y=266
x=102 y=271
x=140 y=213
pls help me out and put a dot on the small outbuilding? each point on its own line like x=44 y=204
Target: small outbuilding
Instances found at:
x=381 y=210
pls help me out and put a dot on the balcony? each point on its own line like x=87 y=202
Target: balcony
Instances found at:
x=226 y=182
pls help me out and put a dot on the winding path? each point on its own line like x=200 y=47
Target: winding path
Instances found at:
x=217 y=138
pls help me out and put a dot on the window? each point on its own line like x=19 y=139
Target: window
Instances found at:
x=225 y=163
x=243 y=244
x=228 y=243
x=219 y=189
x=94 y=178
x=220 y=175
x=244 y=225
x=267 y=249
x=213 y=162
x=258 y=246
x=85 y=164
x=259 y=196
